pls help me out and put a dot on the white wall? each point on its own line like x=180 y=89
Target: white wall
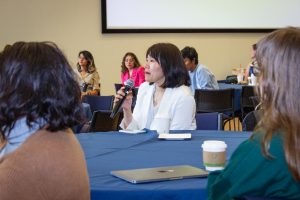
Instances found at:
x=75 y=25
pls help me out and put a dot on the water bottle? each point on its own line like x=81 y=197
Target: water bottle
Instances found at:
x=251 y=70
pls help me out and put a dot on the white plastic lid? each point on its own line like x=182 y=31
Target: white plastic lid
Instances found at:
x=214 y=145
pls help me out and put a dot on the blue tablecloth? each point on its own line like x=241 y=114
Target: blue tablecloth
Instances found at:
x=237 y=94
x=118 y=151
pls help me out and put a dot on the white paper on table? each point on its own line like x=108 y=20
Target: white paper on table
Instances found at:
x=132 y=131
x=178 y=136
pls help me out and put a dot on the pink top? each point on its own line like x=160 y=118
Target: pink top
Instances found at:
x=138 y=76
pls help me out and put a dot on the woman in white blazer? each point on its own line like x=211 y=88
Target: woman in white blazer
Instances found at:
x=165 y=96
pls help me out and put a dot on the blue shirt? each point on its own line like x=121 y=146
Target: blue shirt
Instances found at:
x=202 y=78
x=19 y=134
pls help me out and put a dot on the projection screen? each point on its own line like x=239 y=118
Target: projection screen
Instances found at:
x=171 y=16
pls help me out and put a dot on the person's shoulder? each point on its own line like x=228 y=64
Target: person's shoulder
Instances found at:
x=48 y=150
x=95 y=73
x=255 y=143
x=183 y=91
x=202 y=68
x=40 y=144
x=140 y=69
x=47 y=138
x=144 y=86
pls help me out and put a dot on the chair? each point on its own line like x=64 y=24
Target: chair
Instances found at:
x=99 y=102
x=102 y=122
x=255 y=101
x=231 y=79
x=251 y=120
x=247 y=97
x=209 y=121
x=134 y=96
x=221 y=81
x=117 y=87
x=216 y=101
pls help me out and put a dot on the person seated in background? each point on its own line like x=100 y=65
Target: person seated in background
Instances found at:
x=40 y=157
x=268 y=164
x=89 y=79
x=132 y=69
x=164 y=95
x=252 y=66
x=201 y=77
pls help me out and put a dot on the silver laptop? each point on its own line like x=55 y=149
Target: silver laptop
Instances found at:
x=159 y=174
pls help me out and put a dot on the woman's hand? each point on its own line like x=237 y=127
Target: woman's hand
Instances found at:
x=127 y=102
x=92 y=92
x=127 y=114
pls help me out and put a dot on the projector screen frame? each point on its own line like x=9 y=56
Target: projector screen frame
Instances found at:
x=106 y=30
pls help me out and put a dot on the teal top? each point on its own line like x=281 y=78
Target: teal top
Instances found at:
x=249 y=173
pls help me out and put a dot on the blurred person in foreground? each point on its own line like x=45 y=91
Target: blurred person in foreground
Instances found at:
x=201 y=77
x=164 y=96
x=268 y=164
x=40 y=157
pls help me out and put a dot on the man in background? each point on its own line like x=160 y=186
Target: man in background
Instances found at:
x=201 y=77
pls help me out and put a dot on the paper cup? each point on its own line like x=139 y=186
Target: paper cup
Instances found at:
x=253 y=80
x=214 y=155
x=240 y=78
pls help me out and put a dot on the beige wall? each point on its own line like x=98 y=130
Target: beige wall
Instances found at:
x=76 y=25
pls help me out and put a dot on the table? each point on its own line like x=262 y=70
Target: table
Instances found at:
x=237 y=94
x=109 y=151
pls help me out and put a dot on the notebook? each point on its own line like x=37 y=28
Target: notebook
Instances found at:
x=147 y=175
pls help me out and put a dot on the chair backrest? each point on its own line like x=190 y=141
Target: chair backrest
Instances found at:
x=99 y=102
x=251 y=120
x=117 y=87
x=255 y=101
x=214 y=100
x=221 y=81
x=134 y=94
x=209 y=121
x=247 y=96
x=102 y=122
x=231 y=79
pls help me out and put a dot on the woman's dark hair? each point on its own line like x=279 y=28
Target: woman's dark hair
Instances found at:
x=37 y=82
x=254 y=46
x=7 y=47
x=136 y=62
x=278 y=57
x=190 y=53
x=91 y=67
x=171 y=62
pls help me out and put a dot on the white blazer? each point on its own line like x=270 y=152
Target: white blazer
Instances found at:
x=177 y=104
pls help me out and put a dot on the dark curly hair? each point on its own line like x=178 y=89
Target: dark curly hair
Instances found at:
x=171 y=62
x=136 y=62
x=91 y=66
x=37 y=82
